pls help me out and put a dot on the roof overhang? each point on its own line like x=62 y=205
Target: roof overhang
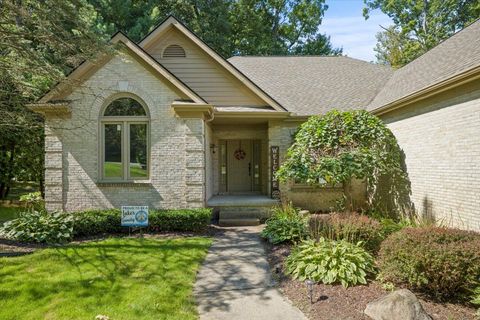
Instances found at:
x=192 y=110
x=51 y=110
x=450 y=83
x=249 y=114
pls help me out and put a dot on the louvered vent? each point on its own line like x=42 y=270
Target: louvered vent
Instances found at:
x=174 y=51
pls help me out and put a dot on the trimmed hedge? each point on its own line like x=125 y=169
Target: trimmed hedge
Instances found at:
x=180 y=220
x=93 y=222
x=350 y=227
x=444 y=263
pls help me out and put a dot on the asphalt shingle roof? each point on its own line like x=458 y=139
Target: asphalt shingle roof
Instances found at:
x=307 y=85
x=457 y=54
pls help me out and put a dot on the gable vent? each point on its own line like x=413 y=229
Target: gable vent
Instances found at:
x=174 y=51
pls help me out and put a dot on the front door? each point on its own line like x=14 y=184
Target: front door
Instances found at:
x=239 y=165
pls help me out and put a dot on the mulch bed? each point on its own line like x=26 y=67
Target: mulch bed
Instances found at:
x=336 y=302
x=10 y=248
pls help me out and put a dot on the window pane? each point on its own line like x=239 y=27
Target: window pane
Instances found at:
x=138 y=150
x=125 y=107
x=112 y=168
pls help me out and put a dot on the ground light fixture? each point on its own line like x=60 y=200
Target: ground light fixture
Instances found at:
x=309 y=283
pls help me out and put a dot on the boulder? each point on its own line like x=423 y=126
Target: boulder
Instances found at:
x=398 y=305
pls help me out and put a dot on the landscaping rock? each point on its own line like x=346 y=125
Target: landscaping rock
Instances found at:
x=398 y=305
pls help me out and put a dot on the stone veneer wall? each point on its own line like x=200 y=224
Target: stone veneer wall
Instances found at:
x=177 y=157
x=440 y=137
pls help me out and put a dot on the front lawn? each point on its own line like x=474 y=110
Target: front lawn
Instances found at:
x=120 y=278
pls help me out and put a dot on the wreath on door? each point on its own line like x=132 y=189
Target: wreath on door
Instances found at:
x=239 y=154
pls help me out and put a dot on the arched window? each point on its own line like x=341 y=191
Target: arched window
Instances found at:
x=125 y=141
x=174 y=51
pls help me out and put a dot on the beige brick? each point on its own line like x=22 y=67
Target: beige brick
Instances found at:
x=441 y=141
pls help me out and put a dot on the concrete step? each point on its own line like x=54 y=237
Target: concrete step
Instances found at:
x=233 y=214
x=238 y=222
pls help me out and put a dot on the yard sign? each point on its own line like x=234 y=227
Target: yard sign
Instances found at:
x=134 y=216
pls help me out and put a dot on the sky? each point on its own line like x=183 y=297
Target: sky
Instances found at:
x=347 y=28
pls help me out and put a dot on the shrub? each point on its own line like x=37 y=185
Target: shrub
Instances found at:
x=39 y=226
x=33 y=200
x=93 y=222
x=340 y=146
x=180 y=220
x=350 y=227
x=444 y=263
x=285 y=225
x=329 y=261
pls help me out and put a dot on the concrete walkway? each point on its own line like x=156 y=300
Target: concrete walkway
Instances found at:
x=234 y=281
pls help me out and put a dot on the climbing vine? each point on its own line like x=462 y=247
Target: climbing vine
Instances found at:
x=340 y=146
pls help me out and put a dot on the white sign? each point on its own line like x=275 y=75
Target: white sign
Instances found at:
x=134 y=216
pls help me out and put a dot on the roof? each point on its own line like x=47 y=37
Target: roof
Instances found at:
x=171 y=21
x=307 y=85
x=454 y=56
x=119 y=37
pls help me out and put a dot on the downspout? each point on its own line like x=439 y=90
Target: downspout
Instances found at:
x=207 y=149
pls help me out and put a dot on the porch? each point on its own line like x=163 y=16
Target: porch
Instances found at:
x=235 y=210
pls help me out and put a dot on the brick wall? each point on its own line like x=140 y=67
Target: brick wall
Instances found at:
x=72 y=157
x=441 y=140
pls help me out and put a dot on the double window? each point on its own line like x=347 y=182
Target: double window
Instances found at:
x=125 y=141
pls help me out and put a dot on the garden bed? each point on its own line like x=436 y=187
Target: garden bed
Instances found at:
x=11 y=248
x=337 y=302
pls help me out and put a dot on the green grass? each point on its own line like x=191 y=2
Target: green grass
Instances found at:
x=114 y=169
x=120 y=278
x=9 y=213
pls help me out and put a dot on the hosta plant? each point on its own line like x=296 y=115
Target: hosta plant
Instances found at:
x=39 y=226
x=286 y=225
x=329 y=262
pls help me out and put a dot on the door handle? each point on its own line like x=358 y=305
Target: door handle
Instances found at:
x=249 y=169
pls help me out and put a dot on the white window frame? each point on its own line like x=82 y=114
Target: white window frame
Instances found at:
x=125 y=122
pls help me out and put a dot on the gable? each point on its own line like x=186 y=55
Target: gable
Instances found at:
x=85 y=70
x=123 y=74
x=201 y=72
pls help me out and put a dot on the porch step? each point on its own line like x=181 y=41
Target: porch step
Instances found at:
x=241 y=216
x=243 y=212
x=238 y=222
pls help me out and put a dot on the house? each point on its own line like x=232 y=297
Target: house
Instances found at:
x=170 y=123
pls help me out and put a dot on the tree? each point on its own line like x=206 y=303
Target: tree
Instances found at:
x=419 y=25
x=231 y=27
x=40 y=41
x=341 y=146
